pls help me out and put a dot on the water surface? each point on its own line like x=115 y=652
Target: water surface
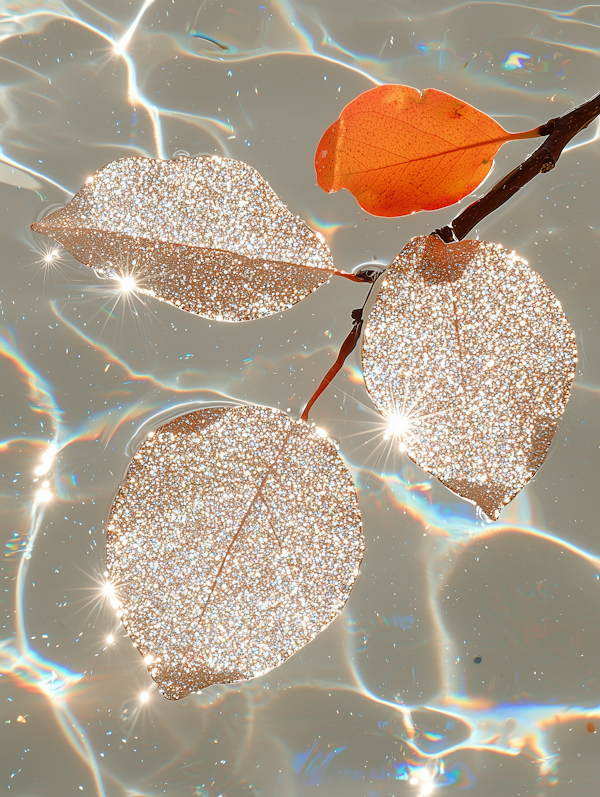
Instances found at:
x=389 y=700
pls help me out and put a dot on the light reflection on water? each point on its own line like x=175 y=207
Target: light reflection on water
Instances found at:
x=389 y=699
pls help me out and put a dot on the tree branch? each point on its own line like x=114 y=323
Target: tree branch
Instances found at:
x=559 y=131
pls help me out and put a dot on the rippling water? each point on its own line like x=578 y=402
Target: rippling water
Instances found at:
x=389 y=699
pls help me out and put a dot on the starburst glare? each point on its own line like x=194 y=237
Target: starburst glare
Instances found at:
x=404 y=420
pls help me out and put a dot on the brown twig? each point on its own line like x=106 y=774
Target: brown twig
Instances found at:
x=366 y=275
x=559 y=131
x=346 y=348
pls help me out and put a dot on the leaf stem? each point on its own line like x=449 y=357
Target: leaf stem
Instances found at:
x=535 y=133
x=346 y=348
x=559 y=131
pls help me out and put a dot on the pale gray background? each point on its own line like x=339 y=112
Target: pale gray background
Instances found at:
x=437 y=585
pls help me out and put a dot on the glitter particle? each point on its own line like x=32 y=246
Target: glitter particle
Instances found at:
x=205 y=234
x=469 y=346
x=234 y=539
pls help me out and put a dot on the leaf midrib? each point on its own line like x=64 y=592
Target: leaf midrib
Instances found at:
x=409 y=161
x=454 y=299
x=238 y=533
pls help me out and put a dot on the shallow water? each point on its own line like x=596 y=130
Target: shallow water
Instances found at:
x=388 y=699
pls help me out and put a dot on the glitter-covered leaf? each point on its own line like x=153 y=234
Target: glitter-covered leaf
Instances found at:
x=234 y=539
x=469 y=355
x=399 y=150
x=206 y=234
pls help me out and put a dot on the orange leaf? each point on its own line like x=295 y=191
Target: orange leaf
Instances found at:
x=399 y=150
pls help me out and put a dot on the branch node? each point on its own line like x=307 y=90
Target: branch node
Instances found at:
x=560 y=131
x=368 y=272
x=549 y=127
x=446 y=234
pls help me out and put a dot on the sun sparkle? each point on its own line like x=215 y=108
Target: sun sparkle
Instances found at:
x=109 y=590
x=120 y=46
x=50 y=257
x=127 y=283
x=398 y=427
x=47 y=460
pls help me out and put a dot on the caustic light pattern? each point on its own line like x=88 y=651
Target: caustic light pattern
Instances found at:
x=235 y=538
x=470 y=357
x=206 y=234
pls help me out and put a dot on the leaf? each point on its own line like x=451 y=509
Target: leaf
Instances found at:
x=234 y=539
x=399 y=150
x=206 y=234
x=470 y=357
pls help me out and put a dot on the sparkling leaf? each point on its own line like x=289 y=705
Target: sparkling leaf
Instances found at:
x=399 y=150
x=234 y=539
x=470 y=357
x=206 y=234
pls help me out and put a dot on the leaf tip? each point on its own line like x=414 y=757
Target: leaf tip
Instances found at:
x=44 y=225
